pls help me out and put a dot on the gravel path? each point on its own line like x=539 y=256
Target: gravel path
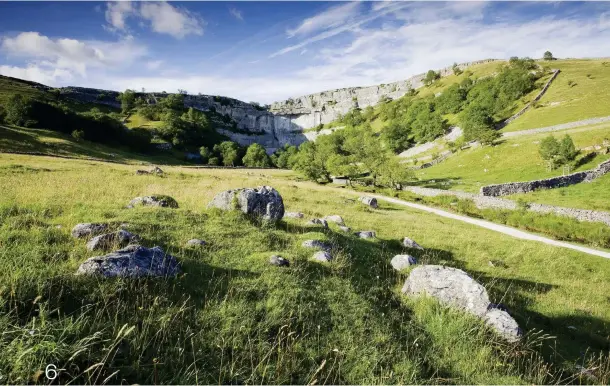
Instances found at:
x=494 y=227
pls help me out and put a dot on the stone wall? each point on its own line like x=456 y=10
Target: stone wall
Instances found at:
x=548 y=183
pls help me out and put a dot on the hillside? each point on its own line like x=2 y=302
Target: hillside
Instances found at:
x=233 y=318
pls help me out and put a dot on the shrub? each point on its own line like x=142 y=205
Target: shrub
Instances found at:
x=431 y=77
x=214 y=161
x=256 y=157
x=78 y=135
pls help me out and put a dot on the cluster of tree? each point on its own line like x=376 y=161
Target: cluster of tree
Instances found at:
x=93 y=125
x=557 y=152
x=229 y=153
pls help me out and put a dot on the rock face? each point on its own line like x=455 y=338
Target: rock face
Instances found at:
x=400 y=262
x=263 y=201
x=316 y=244
x=195 y=243
x=366 y=234
x=322 y=256
x=119 y=239
x=156 y=200
x=454 y=288
x=133 y=261
x=369 y=201
x=294 y=215
x=407 y=242
x=278 y=261
x=335 y=218
x=88 y=229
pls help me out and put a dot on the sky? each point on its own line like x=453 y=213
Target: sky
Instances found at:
x=270 y=51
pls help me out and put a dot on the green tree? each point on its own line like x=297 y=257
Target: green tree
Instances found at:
x=311 y=163
x=229 y=152
x=456 y=69
x=173 y=102
x=256 y=157
x=17 y=110
x=548 y=56
x=567 y=151
x=78 y=135
x=397 y=136
x=393 y=174
x=283 y=158
x=431 y=77
x=477 y=124
x=214 y=161
x=549 y=151
x=128 y=100
x=205 y=154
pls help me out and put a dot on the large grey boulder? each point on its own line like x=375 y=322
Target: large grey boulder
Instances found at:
x=335 y=218
x=366 y=234
x=88 y=229
x=369 y=201
x=316 y=244
x=263 y=201
x=323 y=256
x=407 y=242
x=133 y=261
x=156 y=200
x=116 y=239
x=400 y=262
x=455 y=288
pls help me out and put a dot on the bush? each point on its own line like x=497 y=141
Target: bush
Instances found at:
x=256 y=157
x=431 y=77
x=78 y=135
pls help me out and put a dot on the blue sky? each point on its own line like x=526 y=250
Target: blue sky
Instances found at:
x=269 y=51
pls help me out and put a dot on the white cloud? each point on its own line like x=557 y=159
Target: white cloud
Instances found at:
x=154 y=64
x=35 y=73
x=117 y=14
x=236 y=13
x=330 y=18
x=167 y=19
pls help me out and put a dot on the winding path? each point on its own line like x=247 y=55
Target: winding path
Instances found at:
x=519 y=234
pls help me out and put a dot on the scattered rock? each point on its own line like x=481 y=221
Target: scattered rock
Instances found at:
x=279 y=261
x=263 y=201
x=156 y=200
x=156 y=170
x=322 y=256
x=366 y=234
x=141 y=172
x=318 y=221
x=345 y=229
x=316 y=244
x=115 y=239
x=88 y=229
x=133 y=261
x=571 y=327
x=370 y=201
x=400 y=262
x=294 y=214
x=407 y=242
x=335 y=218
x=195 y=243
x=453 y=287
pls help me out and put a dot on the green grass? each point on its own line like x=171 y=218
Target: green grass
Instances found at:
x=514 y=159
x=232 y=318
x=138 y=121
x=587 y=98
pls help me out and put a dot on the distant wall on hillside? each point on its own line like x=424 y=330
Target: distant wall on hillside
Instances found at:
x=548 y=183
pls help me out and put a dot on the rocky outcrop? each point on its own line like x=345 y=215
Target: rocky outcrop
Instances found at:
x=263 y=202
x=157 y=200
x=118 y=239
x=88 y=229
x=548 y=183
x=316 y=244
x=279 y=261
x=400 y=262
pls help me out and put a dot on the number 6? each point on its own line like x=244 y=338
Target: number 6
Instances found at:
x=51 y=372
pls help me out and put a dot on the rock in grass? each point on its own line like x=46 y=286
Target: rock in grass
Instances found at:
x=400 y=262
x=368 y=201
x=132 y=262
x=407 y=242
x=88 y=229
x=156 y=200
x=294 y=215
x=263 y=202
x=279 y=261
x=345 y=229
x=455 y=288
x=156 y=170
x=366 y=234
x=322 y=256
x=195 y=243
x=318 y=221
x=141 y=172
x=118 y=239
x=335 y=218
x=316 y=244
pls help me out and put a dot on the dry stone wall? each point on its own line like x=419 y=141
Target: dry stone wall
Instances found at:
x=548 y=183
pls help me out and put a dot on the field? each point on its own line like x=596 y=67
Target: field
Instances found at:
x=232 y=318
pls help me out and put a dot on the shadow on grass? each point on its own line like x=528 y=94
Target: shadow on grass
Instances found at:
x=436 y=183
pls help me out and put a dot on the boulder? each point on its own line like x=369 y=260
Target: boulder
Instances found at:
x=366 y=234
x=156 y=170
x=263 y=201
x=156 y=200
x=335 y=218
x=316 y=244
x=88 y=229
x=195 y=243
x=279 y=261
x=294 y=214
x=455 y=288
x=345 y=229
x=407 y=242
x=400 y=262
x=322 y=256
x=118 y=239
x=318 y=221
x=133 y=261
x=141 y=172
x=369 y=201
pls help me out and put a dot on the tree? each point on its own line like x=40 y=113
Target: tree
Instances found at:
x=18 y=110
x=393 y=174
x=78 y=135
x=229 y=152
x=567 y=150
x=256 y=157
x=283 y=158
x=127 y=99
x=397 y=136
x=456 y=69
x=214 y=161
x=548 y=56
x=549 y=150
x=205 y=154
x=477 y=124
x=431 y=77
x=310 y=163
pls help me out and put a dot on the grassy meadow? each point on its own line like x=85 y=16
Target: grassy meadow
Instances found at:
x=233 y=318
